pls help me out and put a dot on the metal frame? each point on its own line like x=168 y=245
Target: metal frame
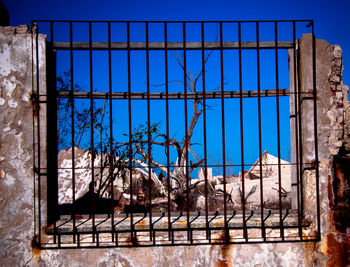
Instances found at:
x=222 y=233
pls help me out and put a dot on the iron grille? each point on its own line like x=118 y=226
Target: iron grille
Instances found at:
x=172 y=133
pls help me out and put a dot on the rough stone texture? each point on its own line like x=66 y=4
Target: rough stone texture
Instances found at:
x=83 y=175
x=332 y=100
x=339 y=104
x=17 y=183
x=16 y=145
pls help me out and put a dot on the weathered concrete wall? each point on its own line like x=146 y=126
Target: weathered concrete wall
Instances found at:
x=332 y=105
x=16 y=145
x=17 y=182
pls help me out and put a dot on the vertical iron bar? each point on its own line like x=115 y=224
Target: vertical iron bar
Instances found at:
x=278 y=134
x=78 y=240
x=130 y=131
x=315 y=131
x=263 y=233
x=38 y=129
x=111 y=160
x=186 y=131
x=296 y=111
x=56 y=143
x=300 y=138
x=52 y=144
x=92 y=136
x=33 y=133
x=71 y=98
x=227 y=238
x=205 y=134
x=245 y=235
x=149 y=135
x=167 y=121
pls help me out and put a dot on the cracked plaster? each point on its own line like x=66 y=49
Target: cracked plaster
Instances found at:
x=16 y=184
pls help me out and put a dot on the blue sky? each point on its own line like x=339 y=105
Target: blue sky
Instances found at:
x=331 y=17
x=331 y=24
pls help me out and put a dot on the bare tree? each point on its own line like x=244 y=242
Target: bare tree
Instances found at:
x=244 y=198
x=118 y=163
x=181 y=186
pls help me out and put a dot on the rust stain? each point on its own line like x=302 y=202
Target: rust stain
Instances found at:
x=219 y=223
x=335 y=251
x=34 y=100
x=330 y=192
x=182 y=224
x=132 y=241
x=36 y=251
x=341 y=181
x=309 y=250
x=142 y=225
x=226 y=252
x=226 y=255
x=335 y=245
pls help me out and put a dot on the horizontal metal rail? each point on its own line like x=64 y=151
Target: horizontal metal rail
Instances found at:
x=172 y=21
x=179 y=95
x=170 y=45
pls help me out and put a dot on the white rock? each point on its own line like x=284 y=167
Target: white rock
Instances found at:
x=337 y=52
x=12 y=103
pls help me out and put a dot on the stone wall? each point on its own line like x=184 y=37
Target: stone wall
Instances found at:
x=17 y=185
x=16 y=144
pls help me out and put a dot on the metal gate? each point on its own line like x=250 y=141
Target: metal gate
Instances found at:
x=172 y=133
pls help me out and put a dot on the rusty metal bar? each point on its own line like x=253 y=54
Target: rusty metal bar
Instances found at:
x=177 y=21
x=36 y=112
x=215 y=215
x=263 y=232
x=172 y=229
x=186 y=131
x=179 y=95
x=92 y=187
x=245 y=235
x=154 y=232
x=205 y=135
x=172 y=45
x=167 y=123
x=72 y=130
x=35 y=151
x=111 y=160
x=296 y=111
x=227 y=237
x=278 y=134
x=52 y=144
x=191 y=231
x=130 y=132
x=300 y=138
x=149 y=135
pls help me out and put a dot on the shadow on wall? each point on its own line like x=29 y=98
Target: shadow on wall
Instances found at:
x=83 y=205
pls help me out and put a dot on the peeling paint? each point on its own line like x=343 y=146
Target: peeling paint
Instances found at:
x=19 y=243
x=13 y=103
x=9 y=180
